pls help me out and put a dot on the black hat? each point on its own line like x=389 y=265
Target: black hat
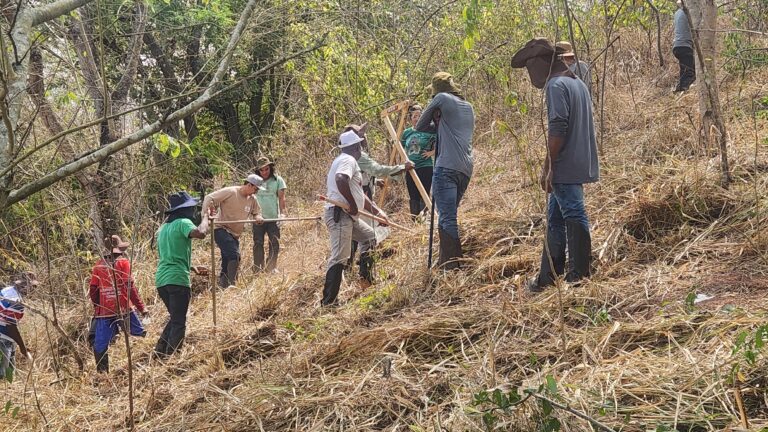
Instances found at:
x=180 y=200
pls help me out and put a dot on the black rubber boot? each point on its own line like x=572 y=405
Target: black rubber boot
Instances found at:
x=102 y=361
x=450 y=251
x=366 y=267
x=232 y=268
x=547 y=274
x=579 y=250
x=332 y=285
x=352 y=253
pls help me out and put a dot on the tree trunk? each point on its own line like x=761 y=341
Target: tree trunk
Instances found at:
x=702 y=17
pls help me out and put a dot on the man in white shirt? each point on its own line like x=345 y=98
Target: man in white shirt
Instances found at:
x=345 y=185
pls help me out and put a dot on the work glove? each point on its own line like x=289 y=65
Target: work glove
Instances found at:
x=280 y=216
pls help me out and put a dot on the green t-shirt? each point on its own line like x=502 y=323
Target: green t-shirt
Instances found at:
x=175 y=249
x=415 y=143
x=268 y=201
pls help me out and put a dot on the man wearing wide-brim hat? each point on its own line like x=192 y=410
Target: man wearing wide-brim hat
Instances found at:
x=11 y=313
x=580 y=69
x=344 y=184
x=271 y=200
x=114 y=294
x=454 y=118
x=571 y=161
x=172 y=278
x=234 y=203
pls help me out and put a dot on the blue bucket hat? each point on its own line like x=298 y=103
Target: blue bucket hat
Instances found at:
x=180 y=200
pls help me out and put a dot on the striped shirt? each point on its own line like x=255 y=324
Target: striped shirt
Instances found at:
x=11 y=310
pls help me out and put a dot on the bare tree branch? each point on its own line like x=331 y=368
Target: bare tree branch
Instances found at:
x=54 y=10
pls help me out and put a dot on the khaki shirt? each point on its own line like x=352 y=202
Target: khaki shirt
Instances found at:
x=232 y=206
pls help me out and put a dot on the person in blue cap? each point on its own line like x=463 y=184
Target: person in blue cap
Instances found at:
x=172 y=279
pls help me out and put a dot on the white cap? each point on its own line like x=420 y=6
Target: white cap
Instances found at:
x=349 y=138
x=256 y=181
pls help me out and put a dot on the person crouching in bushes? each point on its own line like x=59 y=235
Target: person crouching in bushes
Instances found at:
x=113 y=293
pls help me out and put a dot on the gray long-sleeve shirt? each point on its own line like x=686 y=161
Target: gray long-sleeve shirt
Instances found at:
x=683 y=37
x=582 y=71
x=454 y=131
x=569 y=111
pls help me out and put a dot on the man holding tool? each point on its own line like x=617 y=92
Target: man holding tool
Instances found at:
x=345 y=188
x=11 y=312
x=234 y=203
x=455 y=121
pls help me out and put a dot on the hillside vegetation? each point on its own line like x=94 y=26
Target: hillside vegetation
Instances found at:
x=427 y=351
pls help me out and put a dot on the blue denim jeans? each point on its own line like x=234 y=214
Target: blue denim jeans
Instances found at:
x=566 y=202
x=229 y=246
x=448 y=187
x=108 y=327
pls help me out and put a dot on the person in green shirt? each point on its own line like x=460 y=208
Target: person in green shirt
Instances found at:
x=420 y=148
x=271 y=200
x=172 y=279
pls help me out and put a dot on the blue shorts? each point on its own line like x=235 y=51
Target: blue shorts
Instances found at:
x=108 y=328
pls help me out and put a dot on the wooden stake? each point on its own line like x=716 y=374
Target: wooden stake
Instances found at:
x=212 y=274
x=424 y=194
x=294 y=219
x=402 y=108
x=366 y=214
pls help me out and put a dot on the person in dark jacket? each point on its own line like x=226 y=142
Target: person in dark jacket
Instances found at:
x=571 y=161
x=455 y=121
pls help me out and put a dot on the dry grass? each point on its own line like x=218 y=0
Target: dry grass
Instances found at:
x=410 y=352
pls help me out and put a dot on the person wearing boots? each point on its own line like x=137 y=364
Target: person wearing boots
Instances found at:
x=454 y=118
x=420 y=148
x=345 y=184
x=172 y=278
x=271 y=200
x=233 y=203
x=682 y=48
x=11 y=313
x=571 y=161
x=371 y=170
x=113 y=294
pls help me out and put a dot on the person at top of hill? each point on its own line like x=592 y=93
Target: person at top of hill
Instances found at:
x=113 y=294
x=682 y=48
x=455 y=121
x=172 y=279
x=11 y=313
x=344 y=184
x=420 y=148
x=234 y=203
x=571 y=161
x=581 y=69
x=271 y=200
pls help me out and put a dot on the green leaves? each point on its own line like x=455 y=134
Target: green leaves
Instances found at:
x=169 y=145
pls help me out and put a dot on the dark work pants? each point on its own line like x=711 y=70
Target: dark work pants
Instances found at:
x=229 y=246
x=272 y=231
x=415 y=203
x=369 y=193
x=684 y=56
x=176 y=300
